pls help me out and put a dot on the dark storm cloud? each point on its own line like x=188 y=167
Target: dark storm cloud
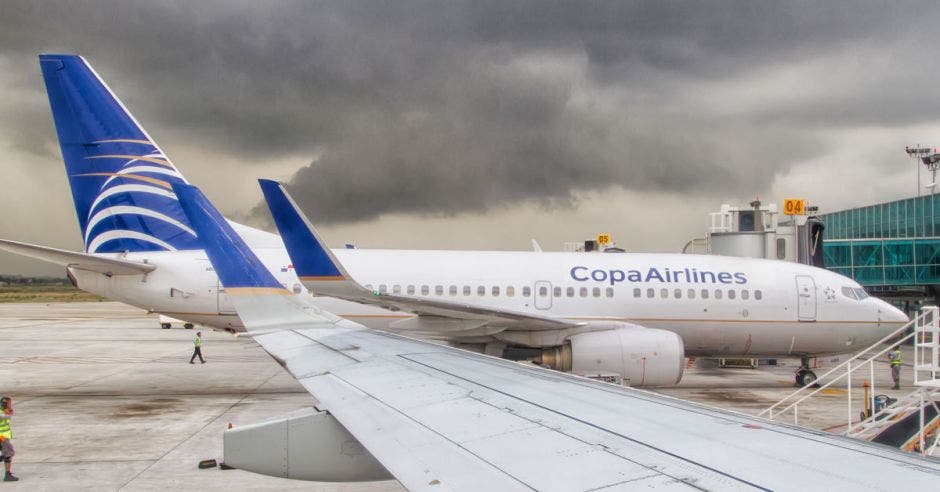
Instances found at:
x=441 y=108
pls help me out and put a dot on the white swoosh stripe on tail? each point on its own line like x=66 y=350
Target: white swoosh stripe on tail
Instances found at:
x=123 y=234
x=128 y=210
x=130 y=188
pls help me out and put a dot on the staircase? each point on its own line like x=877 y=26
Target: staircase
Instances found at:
x=904 y=423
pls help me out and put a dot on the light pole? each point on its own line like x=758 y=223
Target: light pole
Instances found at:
x=916 y=153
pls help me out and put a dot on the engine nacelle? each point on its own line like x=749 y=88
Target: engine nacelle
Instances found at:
x=642 y=356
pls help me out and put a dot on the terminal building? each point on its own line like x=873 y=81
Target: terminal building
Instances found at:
x=893 y=248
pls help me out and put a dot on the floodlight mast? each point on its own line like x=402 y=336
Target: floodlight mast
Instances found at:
x=917 y=153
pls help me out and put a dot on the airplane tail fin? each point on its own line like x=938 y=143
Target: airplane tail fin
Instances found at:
x=261 y=301
x=314 y=263
x=121 y=181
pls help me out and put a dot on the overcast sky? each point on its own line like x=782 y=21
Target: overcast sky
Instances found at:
x=480 y=125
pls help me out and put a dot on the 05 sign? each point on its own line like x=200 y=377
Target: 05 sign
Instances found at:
x=794 y=206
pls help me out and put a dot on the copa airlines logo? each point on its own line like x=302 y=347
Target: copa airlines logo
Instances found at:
x=653 y=274
x=135 y=207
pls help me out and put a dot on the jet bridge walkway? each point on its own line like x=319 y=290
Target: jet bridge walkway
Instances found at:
x=905 y=423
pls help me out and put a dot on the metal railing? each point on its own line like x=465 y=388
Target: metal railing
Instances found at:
x=926 y=336
x=864 y=359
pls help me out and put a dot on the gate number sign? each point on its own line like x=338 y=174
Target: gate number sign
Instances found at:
x=794 y=206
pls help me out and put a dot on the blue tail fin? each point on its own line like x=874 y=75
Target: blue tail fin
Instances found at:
x=121 y=181
x=234 y=262
x=312 y=259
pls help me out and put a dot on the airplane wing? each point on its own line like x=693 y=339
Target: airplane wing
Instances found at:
x=439 y=418
x=323 y=274
x=81 y=261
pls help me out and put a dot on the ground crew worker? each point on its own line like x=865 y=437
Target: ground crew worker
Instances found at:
x=197 y=348
x=895 y=358
x=6 y=436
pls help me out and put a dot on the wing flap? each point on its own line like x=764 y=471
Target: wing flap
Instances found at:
x=80 y=261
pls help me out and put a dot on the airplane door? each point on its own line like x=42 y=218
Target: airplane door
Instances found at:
x=225 y=307
x=543 y=294
x=806 y=292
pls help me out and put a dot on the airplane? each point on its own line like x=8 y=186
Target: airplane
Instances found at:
x=604 y=315
x=435 y=417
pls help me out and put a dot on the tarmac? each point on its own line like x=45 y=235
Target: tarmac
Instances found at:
x=107 y=400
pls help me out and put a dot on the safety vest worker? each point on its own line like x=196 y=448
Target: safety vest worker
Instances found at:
x=896 y=357
x=6 y=431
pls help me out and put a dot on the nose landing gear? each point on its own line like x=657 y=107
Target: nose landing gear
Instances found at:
x=804 y=376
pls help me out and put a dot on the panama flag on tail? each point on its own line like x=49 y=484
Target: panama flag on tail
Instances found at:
x=121 y=181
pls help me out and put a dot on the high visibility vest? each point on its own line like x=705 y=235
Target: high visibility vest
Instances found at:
x=197 y=342
x=896 y=358
x=5 y=430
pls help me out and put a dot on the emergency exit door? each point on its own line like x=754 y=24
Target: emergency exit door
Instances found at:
x=806 y=292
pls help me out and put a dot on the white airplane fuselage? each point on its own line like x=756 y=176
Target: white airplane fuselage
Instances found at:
x=719 y=306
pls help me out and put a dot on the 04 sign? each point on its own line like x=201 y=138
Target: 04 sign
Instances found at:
x=794 y=206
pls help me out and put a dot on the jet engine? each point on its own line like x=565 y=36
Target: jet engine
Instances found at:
x=642 y=356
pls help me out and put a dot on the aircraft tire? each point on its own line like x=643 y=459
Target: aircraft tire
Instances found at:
x=165 y=326
x=188 y=326
x=806 y=378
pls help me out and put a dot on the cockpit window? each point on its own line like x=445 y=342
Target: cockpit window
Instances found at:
x=860 y=293
x=849 y=292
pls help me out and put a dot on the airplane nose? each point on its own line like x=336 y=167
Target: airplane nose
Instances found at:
x=891 y=314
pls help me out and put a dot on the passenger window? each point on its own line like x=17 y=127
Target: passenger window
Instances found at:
x=425 y=290
x=609 y=292
x=481 y=291
x=704 y=293
x=596 y=291
x=396 y=289
x=543 y=291
x=411 y=290
x=383 y=289
x=495 y=291
x=757 y=295
x=584 y=292
x=466 y=290
x=717 y=293
x=526 y=291
x=439 y=290
x=731 y=294
x=664 y=293
x=636 y=292
x=650 y=293
x=557 y=291
x=677 y=293
x=570 y=291
x=691 y=293
x=745 y=295
x=452 y=290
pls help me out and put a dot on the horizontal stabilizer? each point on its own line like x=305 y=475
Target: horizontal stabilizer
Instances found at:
x=80 y=261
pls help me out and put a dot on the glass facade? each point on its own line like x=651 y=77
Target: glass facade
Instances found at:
x=895 y=243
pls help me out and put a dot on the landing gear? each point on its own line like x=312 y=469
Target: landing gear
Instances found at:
x=188 y=326
x=804 y=376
